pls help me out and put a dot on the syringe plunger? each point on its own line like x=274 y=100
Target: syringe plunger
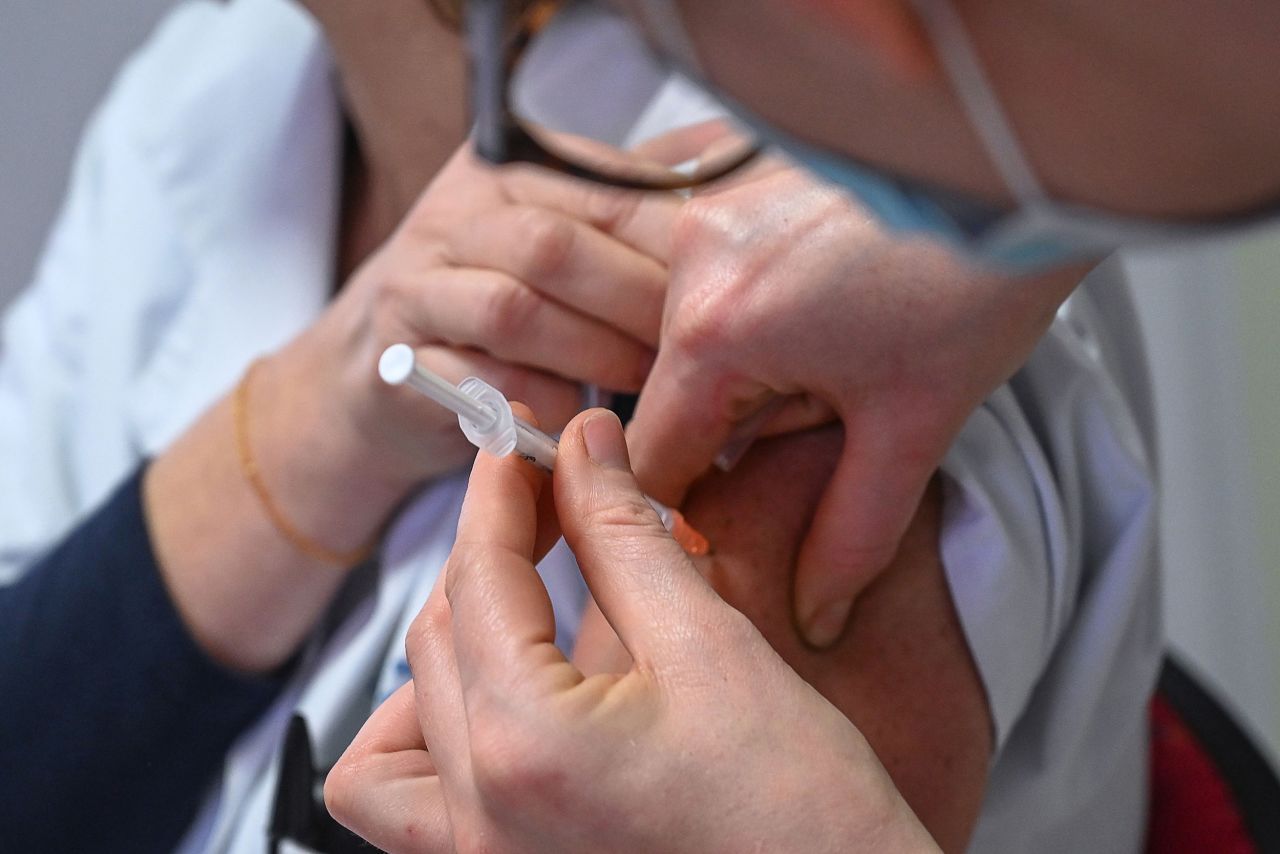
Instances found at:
x=484 y=414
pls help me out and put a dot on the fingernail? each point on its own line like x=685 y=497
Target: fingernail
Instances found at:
x=825 y=626
x=606 y=445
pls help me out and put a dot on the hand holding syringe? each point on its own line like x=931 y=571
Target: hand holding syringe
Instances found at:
x=485 y=416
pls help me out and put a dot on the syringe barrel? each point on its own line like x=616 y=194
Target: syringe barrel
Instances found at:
x=486 y=418
x=505 y=433
x=535 y=446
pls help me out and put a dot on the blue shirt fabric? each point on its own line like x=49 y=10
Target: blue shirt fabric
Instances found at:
x=112 y=720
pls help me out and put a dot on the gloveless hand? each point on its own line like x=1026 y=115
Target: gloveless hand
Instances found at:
x=532 y=282
x=782 y=286
x=708 y=743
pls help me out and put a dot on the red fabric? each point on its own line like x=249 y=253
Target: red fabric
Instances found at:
x=1192 y=809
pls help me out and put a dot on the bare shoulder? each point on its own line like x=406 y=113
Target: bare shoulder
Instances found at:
x=902 y=671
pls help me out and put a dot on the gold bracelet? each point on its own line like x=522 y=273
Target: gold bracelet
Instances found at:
x=300 y=541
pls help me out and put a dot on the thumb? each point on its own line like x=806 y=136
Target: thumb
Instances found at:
x=643 y=581
x=688 y=410
x=862 y=515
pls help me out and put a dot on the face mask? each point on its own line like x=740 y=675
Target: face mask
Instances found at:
x=1036 y=233
x=962 y=224
x=979 y=230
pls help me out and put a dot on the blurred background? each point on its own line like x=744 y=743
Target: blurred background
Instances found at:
x=1209 y=316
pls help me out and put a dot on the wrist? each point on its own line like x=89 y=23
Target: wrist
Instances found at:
x=322 y=475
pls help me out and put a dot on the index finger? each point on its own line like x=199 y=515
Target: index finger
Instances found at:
x=503 y=624
x=685 y=415
x=641 y=220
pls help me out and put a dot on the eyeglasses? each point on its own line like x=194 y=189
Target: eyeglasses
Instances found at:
x=1038 y=230
x=499 y=38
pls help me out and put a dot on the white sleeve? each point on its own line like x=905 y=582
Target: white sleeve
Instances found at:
x=1049 y=493
x=1001 y=530
x=41 y=351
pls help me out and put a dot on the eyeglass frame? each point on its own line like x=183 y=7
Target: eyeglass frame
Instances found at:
x=497 y=134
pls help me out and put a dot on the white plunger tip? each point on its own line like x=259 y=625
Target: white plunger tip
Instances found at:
x=396 y=364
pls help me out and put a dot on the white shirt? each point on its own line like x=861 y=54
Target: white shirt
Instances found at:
x=198 y=234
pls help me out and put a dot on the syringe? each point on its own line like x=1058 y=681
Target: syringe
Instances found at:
x=486 y=419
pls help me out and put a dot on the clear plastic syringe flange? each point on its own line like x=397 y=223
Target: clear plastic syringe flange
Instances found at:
x=484 y=414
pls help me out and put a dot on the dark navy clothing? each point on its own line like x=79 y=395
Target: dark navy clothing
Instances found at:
x=113 y=722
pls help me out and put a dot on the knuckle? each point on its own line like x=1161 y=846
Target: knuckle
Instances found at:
x=390 y=294
x=702 y=325
x=723 y=628
x=700 y=223
x=711 y=295
x=611 y=210
x=554 y=401
x=626 y=516
x=509 y=310
x=720 y=285
x=518 y=384
x=515 y=763
x=340 y=787
x=546 y=241
x=469 y=564
x=426 y=632
x=464 y=557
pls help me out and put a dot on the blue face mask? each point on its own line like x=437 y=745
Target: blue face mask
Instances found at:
x=907 y=207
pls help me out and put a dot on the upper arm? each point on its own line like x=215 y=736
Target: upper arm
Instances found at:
x=902 y=672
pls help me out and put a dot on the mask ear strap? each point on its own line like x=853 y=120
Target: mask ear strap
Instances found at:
x=978 y=99
x=661 y=19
